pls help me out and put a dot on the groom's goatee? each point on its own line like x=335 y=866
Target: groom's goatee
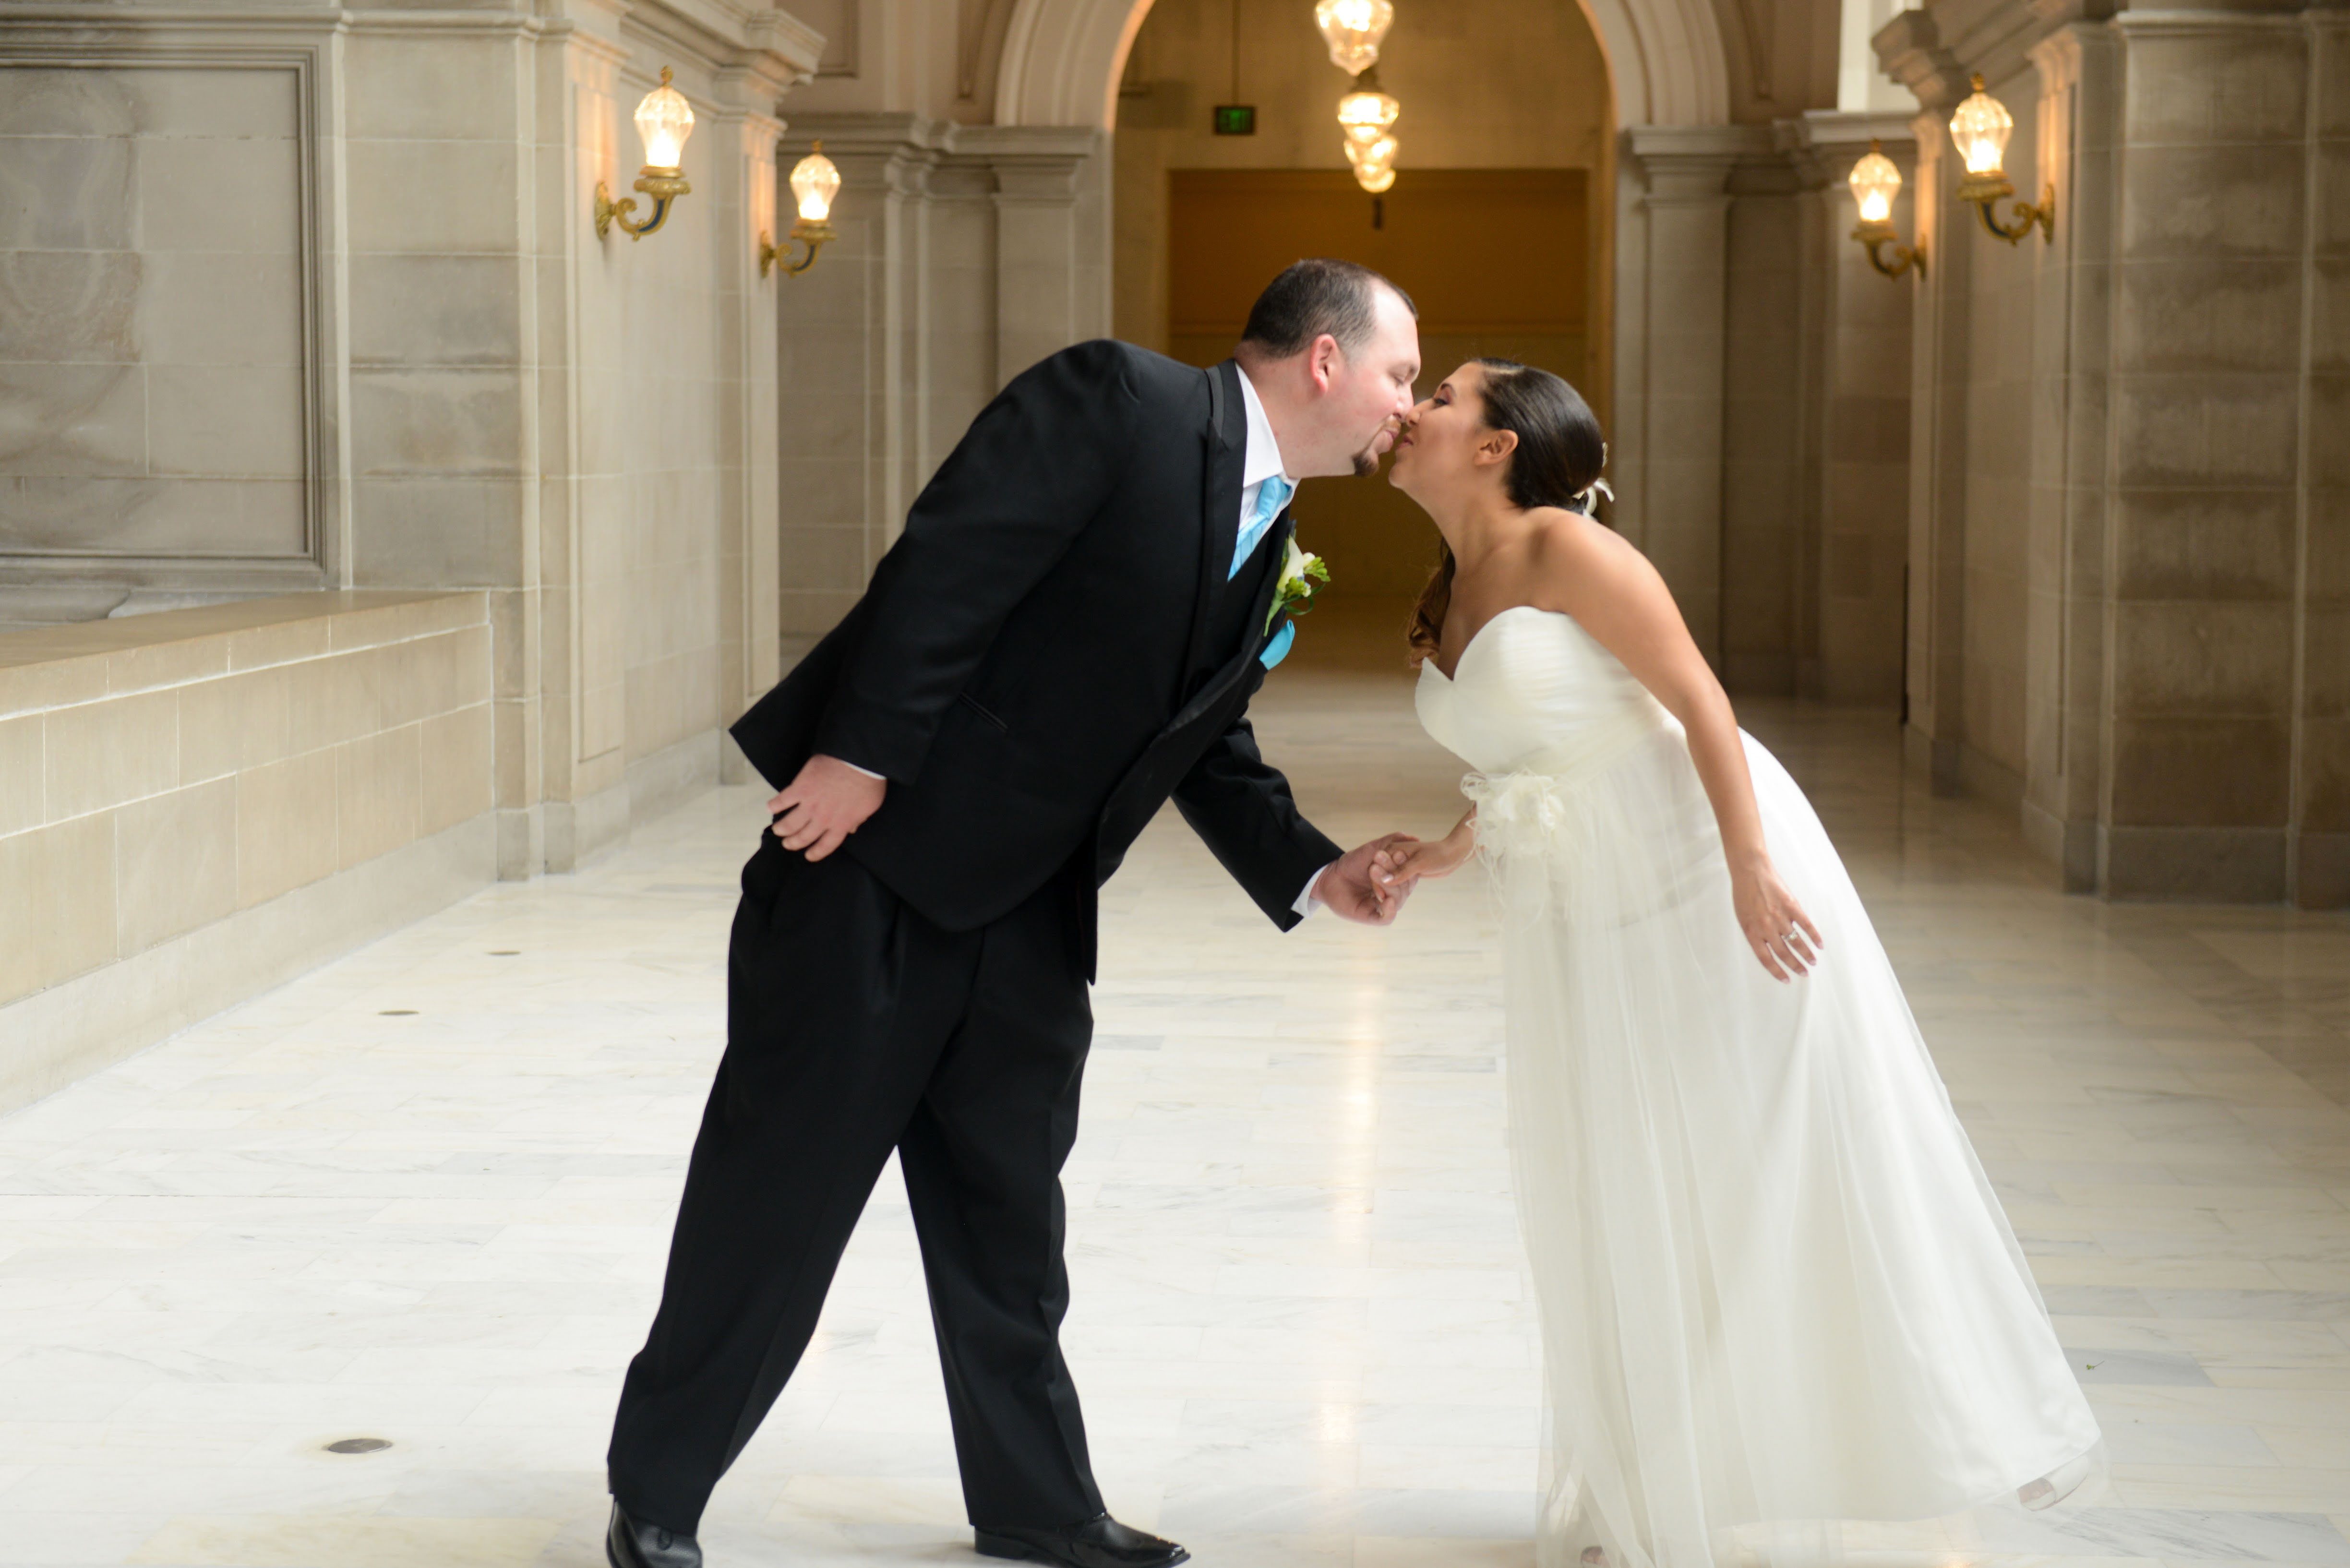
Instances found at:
x=1367 y=464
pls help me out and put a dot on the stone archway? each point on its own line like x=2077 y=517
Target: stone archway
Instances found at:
x=1659 y=353
x=1062 y=59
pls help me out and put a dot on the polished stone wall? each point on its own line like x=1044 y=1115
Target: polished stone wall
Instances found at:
x=328 y=308
x=156 y=252
x=966 y=253
x=1816 y=421
x=2130 y=491
x=197 y=804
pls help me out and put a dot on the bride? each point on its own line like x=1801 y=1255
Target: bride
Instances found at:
x=1778 y=1296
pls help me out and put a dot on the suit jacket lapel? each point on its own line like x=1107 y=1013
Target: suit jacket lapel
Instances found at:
x=1276 y=550
x=1253 y=639
x=1226 y=438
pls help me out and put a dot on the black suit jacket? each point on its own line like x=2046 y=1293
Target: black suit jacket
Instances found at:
x=1052 y=648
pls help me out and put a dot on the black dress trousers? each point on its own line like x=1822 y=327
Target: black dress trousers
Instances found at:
x=855 y=1026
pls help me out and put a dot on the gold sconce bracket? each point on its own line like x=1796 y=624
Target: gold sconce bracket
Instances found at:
x=1879 y=235
x=664 y=185
x=811 y=233
x=1983 y=193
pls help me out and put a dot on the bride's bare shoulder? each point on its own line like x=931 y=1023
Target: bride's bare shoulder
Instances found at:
x=1572 y=543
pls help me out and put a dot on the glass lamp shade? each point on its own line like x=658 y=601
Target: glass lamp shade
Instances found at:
x=1353 y=29
x=1374 y=165
x=664 y=121
x=1365 y=114
x=1980 y=128
x=1875 y=183
x=815 y=182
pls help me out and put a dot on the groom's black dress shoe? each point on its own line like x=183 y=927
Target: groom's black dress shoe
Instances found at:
x=629 y=1545
x=1100 y=1542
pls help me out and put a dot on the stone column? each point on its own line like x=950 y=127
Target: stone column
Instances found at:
x=2319 y=867
x=749 y=582
x=2207 y=457
x=1673 y=314
x=1935 y=697
x=847 y=329
x=2072 y=340
x=652 y=440
x=1036 y=169
x=1858 y=339
x=963 y=259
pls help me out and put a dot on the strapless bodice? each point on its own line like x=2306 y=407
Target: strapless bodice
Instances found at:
x=1533 y=692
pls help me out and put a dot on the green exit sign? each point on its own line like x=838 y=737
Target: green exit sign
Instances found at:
x=1236 y=119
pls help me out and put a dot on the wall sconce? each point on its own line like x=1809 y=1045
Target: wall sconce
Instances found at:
x=663 y=122
x=1981 y=128
x=1353 y=29
x=1366 y=116
x=815 y=182
x=1875 y=183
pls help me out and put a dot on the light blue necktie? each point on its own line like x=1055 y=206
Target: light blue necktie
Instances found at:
x=1270 y=497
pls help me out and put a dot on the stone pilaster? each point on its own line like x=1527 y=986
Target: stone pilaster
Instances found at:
x=965 y=256
x=1670 y=355
x=1856 y=332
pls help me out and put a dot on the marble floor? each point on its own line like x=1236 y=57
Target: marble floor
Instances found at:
x=423 y=1196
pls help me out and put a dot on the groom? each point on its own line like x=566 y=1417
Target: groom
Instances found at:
x=1069 y=631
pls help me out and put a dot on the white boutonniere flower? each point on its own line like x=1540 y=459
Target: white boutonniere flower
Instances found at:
x=1301 y=577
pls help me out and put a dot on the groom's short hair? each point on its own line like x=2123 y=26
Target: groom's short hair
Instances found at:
x=1314 y=296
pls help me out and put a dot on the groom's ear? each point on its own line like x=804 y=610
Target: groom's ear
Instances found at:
x=1324 y=362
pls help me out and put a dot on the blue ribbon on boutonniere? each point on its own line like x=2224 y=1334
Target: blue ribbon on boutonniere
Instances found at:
x=1301 y=577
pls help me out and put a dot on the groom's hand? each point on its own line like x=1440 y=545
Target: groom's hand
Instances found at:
x=1350 y=892
x=828 y=802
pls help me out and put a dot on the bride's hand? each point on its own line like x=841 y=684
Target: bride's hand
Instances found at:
x=1437 y=858
x=1775 y=925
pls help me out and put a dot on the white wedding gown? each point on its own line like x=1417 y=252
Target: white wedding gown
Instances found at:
x=1778 y=1295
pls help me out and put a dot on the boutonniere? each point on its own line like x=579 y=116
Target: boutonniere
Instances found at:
x=1301 y=577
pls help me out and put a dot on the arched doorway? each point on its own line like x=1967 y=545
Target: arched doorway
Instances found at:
x=1062 y=61
x=1660 y=206
x=1498 y=225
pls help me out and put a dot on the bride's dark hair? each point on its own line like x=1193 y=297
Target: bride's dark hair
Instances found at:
x=1560 y=452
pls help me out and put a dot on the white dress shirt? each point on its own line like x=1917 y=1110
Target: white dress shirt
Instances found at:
x=1259 y=462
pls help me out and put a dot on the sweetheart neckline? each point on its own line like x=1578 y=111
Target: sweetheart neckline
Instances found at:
x=1491 y=621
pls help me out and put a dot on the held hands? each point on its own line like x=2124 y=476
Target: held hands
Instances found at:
x=1775 y=925
x=1360 y=886
x=1412 y=861
x=825 y=804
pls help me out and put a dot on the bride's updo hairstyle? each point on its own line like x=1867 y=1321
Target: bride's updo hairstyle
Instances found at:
x=1559 y=454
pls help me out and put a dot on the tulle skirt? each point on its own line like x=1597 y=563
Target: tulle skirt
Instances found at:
x=1785 y=1319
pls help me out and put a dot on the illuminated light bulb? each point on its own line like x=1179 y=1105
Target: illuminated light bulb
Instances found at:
x=1374 y=165
x=1980 y=128
x=664 y=121
x=816 y=181
x=1353 y=29
x=1875 y=183
x=1365 y=114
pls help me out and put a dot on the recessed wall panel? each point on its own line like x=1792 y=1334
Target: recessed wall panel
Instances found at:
x=152 y=268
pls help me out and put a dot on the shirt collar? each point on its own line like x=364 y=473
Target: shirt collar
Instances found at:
x=1262 y=460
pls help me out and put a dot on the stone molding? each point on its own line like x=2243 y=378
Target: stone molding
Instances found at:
x=1671 y=60
x=1823 y=144
x=726 y=35
x=176 y=40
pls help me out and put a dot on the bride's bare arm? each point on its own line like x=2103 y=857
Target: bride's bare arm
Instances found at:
x=1615 y=594
x=1436 y=858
